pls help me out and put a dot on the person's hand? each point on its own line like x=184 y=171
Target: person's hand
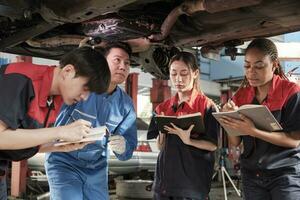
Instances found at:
x=74 y=131
x=244 y=125
x=117 y=144
x=160 y=140
x=184 y=135
x=161 y=137
x=229 y=106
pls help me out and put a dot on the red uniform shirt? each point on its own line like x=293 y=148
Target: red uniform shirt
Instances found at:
x=184 y=170
x=283 y=100
x=24 y=89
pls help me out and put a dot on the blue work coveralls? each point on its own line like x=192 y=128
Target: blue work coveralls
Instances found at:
x=83 y=174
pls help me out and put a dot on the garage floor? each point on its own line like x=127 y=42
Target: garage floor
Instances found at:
x=215 y=194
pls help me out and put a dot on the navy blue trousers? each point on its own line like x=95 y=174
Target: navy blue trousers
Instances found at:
x=281 y=186
x=158 y=196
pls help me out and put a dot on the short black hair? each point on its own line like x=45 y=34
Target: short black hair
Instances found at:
x=91 y=64
x=120 y=45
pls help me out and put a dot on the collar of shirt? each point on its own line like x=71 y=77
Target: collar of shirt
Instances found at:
x=190 y=102
x=275 y=86
x=45 y=86
x=275 y=97
x=271 y=92
x=115 y=92
x=275 y=91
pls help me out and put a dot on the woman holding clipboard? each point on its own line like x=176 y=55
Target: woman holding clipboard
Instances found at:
x=270 y=163
x=185 y=166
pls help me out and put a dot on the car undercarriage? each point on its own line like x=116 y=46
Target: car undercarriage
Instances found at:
x=155 y=29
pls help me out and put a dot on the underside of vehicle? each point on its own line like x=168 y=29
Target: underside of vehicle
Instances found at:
x=155 y=29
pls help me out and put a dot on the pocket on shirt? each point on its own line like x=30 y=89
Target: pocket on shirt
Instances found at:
x=77 y=114
x=113 y=124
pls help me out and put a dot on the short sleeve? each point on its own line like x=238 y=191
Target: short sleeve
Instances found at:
x=16 y=93
x=153 y=128
x=153 y=131
x=290 y=114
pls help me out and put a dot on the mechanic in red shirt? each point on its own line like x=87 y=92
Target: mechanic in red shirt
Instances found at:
x=31 y=98
x=270 y=163
x=185 y=166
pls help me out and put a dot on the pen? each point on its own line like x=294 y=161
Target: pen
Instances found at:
x=229 y=100
x=229 y=103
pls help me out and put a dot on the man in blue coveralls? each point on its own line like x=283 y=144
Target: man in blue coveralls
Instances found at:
x=83 y=174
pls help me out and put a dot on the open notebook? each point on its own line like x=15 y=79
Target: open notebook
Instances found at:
x=183 y=122
x=96 y=134
x=260 y=115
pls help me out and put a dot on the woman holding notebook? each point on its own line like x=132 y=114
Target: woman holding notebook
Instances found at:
x=185 y=165
x=270 y=163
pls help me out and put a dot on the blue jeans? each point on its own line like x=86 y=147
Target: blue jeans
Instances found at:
x=3 y=188
x=3 y=184
x=280 y=186
x=71 y=182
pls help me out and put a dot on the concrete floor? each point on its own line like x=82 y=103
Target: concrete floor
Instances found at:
x=216 y=193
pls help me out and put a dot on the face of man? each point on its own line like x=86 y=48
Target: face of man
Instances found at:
x=73 y=88
x=119 y=65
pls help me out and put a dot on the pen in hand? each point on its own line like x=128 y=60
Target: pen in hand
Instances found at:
x=230 y=105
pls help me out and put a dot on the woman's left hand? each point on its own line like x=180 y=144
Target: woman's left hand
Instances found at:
x=184 y=135
x=244 y=125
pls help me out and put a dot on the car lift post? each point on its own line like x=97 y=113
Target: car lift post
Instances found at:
x=159 y=92
x=131 y=87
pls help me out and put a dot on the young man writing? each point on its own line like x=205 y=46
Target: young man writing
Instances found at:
x=31 y=98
